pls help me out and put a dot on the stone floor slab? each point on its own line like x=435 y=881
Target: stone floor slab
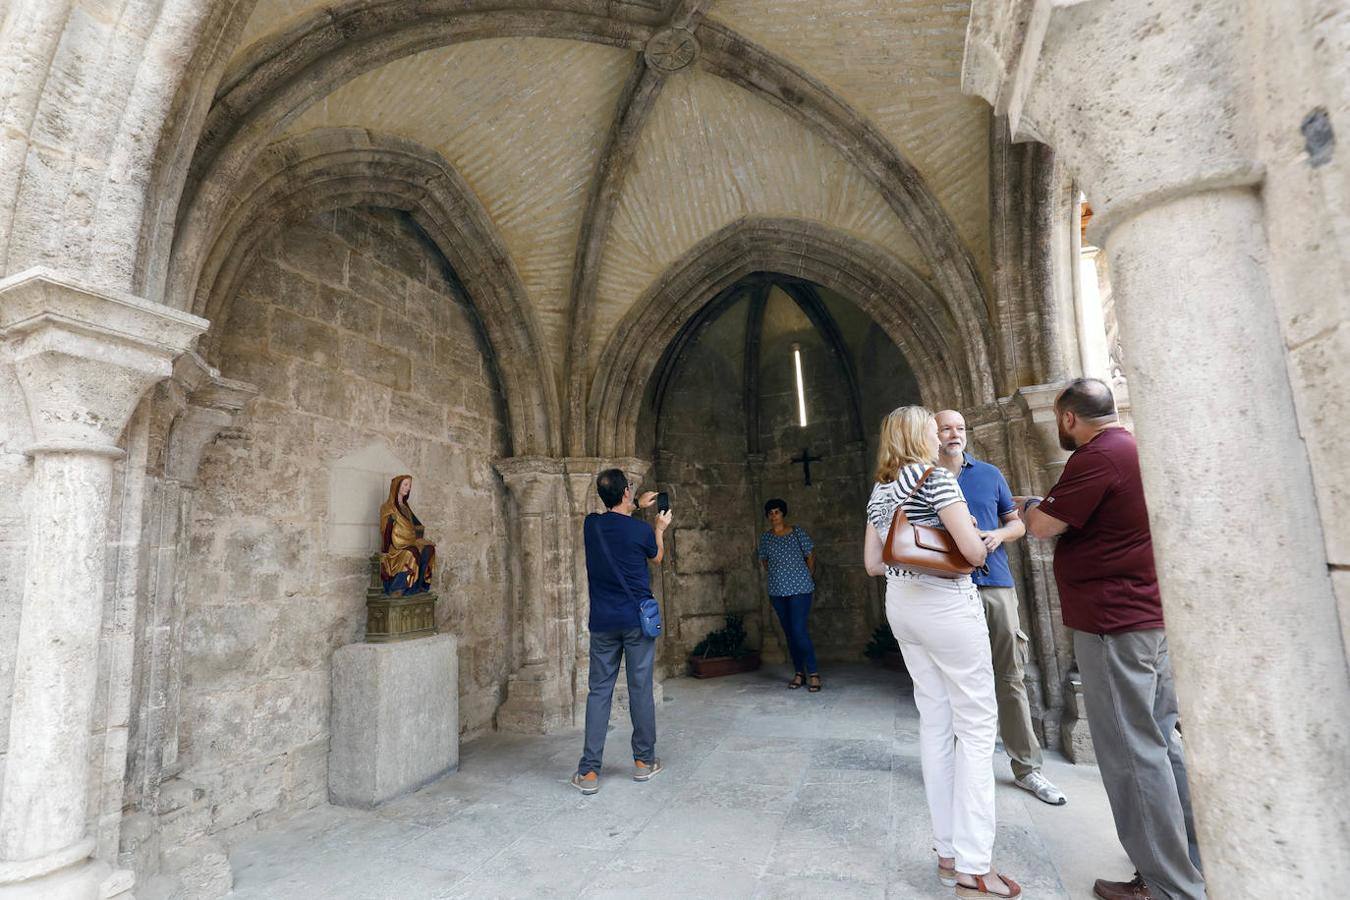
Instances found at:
x=766 y=793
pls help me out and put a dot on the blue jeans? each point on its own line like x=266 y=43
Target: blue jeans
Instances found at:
x=792 y=612
x=638 y=653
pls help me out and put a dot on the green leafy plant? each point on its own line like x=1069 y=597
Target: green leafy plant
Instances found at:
x=882 y=642
x=728 y=640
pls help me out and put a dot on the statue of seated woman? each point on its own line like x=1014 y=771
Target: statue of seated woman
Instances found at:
x=406 y=557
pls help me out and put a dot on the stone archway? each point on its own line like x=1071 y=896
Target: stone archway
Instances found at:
x=946 y=342
x=336 y=168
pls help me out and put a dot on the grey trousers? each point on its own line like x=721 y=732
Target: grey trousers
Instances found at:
x=1132 y=711
x=1009 y=646
x=638 y=653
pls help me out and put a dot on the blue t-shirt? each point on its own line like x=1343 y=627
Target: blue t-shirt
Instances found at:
x=631 y=542
x=786 y=553
x=989 y=500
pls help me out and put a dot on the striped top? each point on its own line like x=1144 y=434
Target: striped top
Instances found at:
x=938 y=492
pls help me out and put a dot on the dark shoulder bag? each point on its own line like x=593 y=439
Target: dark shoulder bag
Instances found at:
x=649 y=612
x=923 y=548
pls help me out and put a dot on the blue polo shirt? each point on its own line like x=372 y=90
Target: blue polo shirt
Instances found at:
x=632 y=542
x=989 y=500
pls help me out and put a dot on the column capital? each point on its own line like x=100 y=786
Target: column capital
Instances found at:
x=1037 y=406
x=85 y=356
x=1143 y=101
x=210 y=403
x=533 y=481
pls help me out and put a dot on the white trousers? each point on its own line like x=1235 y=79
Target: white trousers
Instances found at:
x=941 y=628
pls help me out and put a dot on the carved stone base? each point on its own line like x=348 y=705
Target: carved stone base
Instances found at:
x=1075 y=737
x=534 y=704
x=393 y=617
x=390 y=617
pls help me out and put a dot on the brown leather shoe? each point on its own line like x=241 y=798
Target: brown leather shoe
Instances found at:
x=1134 y=889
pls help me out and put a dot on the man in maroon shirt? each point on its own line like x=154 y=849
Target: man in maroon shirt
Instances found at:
x=1108 y=590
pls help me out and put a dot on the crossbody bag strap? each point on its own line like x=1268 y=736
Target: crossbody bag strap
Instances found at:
x=914 y=490
x=613 y=566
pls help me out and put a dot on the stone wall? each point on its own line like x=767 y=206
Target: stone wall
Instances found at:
x=361 y=343
x=718 y=489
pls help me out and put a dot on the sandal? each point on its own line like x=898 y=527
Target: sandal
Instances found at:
x=946 y=874
x=797 y=681
x=813 y=684
x=980 y=891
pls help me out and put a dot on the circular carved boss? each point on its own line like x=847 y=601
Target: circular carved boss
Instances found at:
x=671 y=49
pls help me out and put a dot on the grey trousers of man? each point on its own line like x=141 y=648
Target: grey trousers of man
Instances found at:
x=1009 y=646
x=638 y=654
x=1132 y=711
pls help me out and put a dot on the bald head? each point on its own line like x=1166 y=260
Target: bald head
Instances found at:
x=1083 y=409
x=951 y=433
x=1088 y=398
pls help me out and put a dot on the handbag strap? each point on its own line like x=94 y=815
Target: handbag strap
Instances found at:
x=900 y=507
x=609 y=555
x=917 y=485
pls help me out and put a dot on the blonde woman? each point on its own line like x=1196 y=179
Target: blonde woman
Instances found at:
x=941 y=628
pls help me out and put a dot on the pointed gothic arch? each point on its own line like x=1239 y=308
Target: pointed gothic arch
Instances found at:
x=945 y=342
x=336 y=168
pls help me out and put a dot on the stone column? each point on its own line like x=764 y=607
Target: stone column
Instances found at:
x=1251 y=618
x=190 y=409
x=539 y=699
x=1146 y=102
x=84 y=359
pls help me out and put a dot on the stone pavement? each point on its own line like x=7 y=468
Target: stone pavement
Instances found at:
x=767 y=793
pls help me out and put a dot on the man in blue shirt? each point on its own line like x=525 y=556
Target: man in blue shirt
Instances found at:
x=616 y=632
x=991 y=504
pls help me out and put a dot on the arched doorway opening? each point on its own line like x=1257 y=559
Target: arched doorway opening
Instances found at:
x=729 y=424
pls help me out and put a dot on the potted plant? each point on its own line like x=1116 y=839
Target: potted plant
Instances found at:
x=884 y=649
x=723 y=652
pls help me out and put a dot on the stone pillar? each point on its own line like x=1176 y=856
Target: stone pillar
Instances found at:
x=84 y=359
x=189 y=410
x=1146 y=103
x=1032 y=461
x=1251 y=618
x=539 y=697
x=547 y=690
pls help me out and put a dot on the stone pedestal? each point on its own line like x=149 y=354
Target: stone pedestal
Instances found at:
x=395 y=719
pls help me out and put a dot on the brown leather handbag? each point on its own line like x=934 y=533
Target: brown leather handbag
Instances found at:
x=922 y=548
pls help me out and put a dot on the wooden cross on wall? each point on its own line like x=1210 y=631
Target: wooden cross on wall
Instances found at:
x=806 y=459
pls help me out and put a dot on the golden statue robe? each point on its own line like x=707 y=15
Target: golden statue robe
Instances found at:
x=407 y=559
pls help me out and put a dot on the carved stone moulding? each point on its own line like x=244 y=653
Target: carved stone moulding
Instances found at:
x=671 y=50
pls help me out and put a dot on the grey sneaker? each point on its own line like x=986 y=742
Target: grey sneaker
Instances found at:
x=587 y=784
x=1039 y=785
x=644 y=771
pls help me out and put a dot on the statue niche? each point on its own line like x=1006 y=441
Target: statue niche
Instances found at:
x=399 y=603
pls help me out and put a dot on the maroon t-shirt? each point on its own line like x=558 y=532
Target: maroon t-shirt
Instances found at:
x=1104 y=562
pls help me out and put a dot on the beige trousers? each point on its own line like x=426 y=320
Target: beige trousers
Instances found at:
x=1008 y=644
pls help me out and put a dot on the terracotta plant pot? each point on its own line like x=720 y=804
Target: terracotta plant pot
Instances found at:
x=713 y=666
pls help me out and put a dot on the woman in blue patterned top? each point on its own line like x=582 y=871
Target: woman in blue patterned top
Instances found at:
x=788 y=555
